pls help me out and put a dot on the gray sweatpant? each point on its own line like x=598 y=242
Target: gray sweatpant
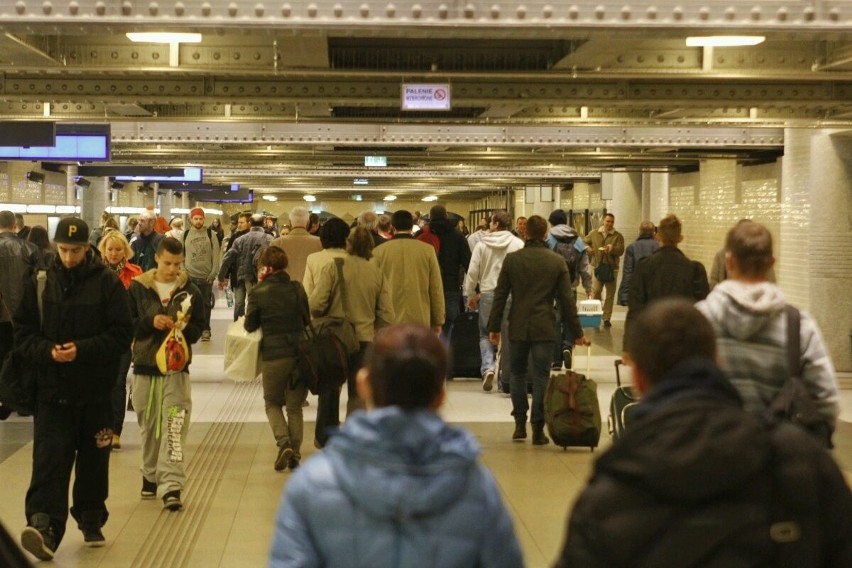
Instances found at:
x=163 y=406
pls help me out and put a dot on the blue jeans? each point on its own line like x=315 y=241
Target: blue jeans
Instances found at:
x=239 y=300
x=452 y=309
x=206 y=289
x=487 y=350
x=536 y=355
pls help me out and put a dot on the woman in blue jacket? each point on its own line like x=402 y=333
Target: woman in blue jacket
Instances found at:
x=396 y=486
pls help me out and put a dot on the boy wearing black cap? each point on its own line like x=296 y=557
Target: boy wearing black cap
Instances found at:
x=76 y=343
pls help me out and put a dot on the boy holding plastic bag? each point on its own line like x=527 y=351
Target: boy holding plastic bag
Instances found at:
x=168 y=315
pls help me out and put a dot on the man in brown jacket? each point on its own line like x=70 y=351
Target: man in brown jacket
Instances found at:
x=413 y=275
x=534 y=275
x=607 y=245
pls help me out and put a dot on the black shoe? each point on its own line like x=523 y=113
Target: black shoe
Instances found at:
x=520 y=432
x=293 y=464
x=149 y=489
x=285 y=452
x=90 y=524
x=538 y=437
x=566 y=357
x=171 y=501
x=38 y=539
x=607 y=323
x=5 y=412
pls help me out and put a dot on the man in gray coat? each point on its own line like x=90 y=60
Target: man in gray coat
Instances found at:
x=534 y=275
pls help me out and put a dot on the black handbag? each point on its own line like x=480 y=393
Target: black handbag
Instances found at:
x=793 y=403
x=604 y=273
x=17 y=375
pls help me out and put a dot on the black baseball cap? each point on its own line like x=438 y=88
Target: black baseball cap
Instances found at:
x=72 y=231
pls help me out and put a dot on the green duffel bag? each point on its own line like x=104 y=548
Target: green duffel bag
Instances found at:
x=571 y=410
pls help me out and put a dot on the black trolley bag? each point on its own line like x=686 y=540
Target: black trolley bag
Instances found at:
x=464 y=346
x=624 y=400
x=572 y=412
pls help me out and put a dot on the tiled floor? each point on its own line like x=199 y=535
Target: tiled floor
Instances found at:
x=233 y=492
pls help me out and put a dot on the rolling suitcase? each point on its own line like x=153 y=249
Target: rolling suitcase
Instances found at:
x=572 y=412
x=464 y=346
x=622 y=403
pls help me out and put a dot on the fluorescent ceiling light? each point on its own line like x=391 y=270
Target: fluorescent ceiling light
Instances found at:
x=67 y=209
x=430 y=198
x=309 y=197
x=390 y=198
x=163 y=37
x=270 y=198
x=41 y=208
x=360 y=181
x=724 y=41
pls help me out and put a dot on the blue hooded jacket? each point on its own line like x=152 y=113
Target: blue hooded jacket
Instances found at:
x=394 y=488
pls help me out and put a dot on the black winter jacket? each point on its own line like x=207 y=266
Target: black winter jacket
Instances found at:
x=88 y=306
x=145 y=304
x=454 y=255
x=667 y=273
x=697 y=481
x=279 y=306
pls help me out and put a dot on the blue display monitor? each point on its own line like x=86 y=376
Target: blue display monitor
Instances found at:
x=68 y=147
x=189 y=174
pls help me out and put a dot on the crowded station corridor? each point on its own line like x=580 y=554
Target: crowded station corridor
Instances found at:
x=232 y=493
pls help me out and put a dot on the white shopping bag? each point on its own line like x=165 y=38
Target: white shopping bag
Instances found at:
x=242 y=352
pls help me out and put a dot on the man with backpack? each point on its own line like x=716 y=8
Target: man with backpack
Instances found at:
x=565 y=241
x=201 y=262
x=244 y=254
x=747 y=313
x=696 y=480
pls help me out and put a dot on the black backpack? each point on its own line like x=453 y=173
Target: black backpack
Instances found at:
x=565 y=247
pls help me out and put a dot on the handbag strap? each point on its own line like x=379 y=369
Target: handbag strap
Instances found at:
x=794 y=353
x=338 y=263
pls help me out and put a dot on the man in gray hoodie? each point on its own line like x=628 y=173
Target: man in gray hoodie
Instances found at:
x=484 y=268
x=747 y=314
x=201 y=261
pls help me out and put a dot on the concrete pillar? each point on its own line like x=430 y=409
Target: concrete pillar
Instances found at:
x=655 y=196
x=813 y=251
x=94 y=199
x=624 y=190
x=541 y=199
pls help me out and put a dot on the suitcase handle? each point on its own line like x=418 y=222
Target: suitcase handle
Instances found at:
x=618 y=363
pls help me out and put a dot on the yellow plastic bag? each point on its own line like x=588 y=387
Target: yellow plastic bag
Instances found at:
x=173 y=354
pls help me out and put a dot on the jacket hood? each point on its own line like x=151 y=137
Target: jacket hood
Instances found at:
x=690 y=439
x=498 y=239
x=742 y=309
x=441 y=226
x=402 y=464
x=147 y=279
x=563 y=232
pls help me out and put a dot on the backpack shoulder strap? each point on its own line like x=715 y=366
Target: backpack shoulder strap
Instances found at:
x=794 y=350
x=41 y=284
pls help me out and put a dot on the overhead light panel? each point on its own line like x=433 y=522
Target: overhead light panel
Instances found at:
x=360 y=181
x=724 y=41
x=270 y=198
x=310 y=198
x=163 y=37
x=390 y=198
x=430 y=198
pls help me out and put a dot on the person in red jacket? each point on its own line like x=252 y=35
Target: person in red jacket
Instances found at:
x=116 y=254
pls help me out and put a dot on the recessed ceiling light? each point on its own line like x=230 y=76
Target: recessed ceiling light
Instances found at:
x=430 y=198
x=163 y=37
x=270 y=198
x=309 y=197
x=390 y=197
x=724 y=41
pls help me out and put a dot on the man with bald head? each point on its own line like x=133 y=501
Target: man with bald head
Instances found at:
x=145 y=244
x=298 y=243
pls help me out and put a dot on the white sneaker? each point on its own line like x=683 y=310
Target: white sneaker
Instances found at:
x=488 y=381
